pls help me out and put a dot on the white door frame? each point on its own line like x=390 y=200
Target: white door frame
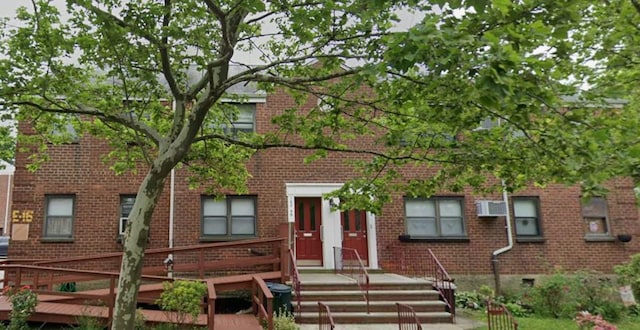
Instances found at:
x=331 y=226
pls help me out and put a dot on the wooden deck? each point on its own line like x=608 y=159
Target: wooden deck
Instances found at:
x=44 y=277
x=63 y=313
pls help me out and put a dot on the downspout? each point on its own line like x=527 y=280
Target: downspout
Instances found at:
x=172 y=196
x=496 y=253
x=6 y=216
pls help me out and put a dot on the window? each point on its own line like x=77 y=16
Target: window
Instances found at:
x=243 y=121
x=434 y=217
x=232 y=217
x=594 y=212
x=490 y=123
x=59 y=217
x=527 y=218
x=62 y=129
x=126 y=204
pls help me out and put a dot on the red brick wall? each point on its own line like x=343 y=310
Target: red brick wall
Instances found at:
x=78 y=169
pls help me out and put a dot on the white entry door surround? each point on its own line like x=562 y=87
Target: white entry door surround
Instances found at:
x=331 y=222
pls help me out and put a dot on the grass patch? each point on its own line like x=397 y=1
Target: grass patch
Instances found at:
x=543 y=323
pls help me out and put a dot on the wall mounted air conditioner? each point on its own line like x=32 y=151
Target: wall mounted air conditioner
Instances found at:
x=491 y=208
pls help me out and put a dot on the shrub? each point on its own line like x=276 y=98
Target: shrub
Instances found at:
x=516 y=309
x=629 y=274
x=283 y=320
x=23 y=304
x=597 y=295
x=469 y=299
x=554 y=297
x=182 y=297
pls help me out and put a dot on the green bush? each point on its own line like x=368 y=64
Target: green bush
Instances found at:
x=563 y=295
x=469 y=299
x=629 y=274
x=554 y=297
x=516 y=309
x=182 y=297
x=284 y=321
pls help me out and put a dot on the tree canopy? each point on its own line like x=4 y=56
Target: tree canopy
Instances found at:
x=546 y=75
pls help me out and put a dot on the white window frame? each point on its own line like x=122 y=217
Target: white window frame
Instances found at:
x=48 y=217
x=517 y=218
x=231 y=129
x=122 y=224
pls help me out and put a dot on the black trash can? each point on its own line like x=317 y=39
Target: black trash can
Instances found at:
x=281 y=298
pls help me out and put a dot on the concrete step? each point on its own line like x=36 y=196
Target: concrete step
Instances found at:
x=374 y=306
x=324 y=286
x=378 y=317
x=374 y=295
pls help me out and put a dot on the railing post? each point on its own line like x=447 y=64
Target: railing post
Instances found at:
x=211 y=299
x=201 y=264
x=284 y=262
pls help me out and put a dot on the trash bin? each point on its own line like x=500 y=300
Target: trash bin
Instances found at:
x=448 y=289
x=281 y=297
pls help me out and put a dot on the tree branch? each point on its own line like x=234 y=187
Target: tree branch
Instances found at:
x=122 y=119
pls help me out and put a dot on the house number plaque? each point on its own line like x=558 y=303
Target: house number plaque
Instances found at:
x=22 y=216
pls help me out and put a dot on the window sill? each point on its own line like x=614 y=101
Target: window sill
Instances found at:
x=524 y=239
x=599 y=238
x=56 y=240
x=225 y=238
x=445 y=239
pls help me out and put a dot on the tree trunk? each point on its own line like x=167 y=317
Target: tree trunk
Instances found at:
x=135 y=241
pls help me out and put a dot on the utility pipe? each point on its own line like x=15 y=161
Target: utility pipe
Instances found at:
x=496 y=253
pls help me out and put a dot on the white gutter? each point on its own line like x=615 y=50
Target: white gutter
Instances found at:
x=509 y=246
x=6 y=216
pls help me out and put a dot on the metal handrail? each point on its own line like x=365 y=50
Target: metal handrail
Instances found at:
x=407 y=318
x=325 y=319
x=362 y=277
x=499 y=317
x=295 y=281
x=442 y=282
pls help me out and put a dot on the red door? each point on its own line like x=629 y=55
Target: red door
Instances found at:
x=308 y=222
x=354 y=232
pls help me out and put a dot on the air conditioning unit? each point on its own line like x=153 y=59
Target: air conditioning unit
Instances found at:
x=123 y=225
x=491 y=208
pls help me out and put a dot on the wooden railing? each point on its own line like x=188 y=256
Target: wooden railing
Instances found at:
x=348 y=262
x=407 y=319
x=193 y=259
x=261 y=295
x=211 y=304
x=442 y=282
x=44 y=281
x=295 y=282
x=325 y=320
x=499 y=317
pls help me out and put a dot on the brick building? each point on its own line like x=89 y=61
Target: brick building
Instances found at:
x=74 y=205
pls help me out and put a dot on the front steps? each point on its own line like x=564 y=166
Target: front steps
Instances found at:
x=347 y=304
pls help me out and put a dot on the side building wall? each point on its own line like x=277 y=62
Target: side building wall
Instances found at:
x=77 y=170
